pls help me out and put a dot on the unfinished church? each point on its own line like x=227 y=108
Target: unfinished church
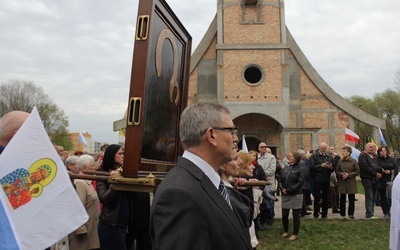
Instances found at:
x=249 y=61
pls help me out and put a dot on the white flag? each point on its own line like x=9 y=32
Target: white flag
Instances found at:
x=40 y=202
x=81 y=139
x=244 y=145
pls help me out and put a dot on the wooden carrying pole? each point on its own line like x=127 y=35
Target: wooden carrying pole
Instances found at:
x=146 y=179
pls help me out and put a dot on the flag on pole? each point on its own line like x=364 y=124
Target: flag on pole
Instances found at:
x=355 y=153
x=40 y=204
x=383 y=141
x=351 y=136
x=373 y=142
x=244 y=145
x=121 y=136
x=82 y=140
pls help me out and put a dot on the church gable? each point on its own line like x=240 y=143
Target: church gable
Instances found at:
x=249 y=61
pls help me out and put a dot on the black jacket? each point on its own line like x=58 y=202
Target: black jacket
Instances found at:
x=368 y=167
x=259 y=174
x=319 y=173
x=387 y=164
x=291 y=179
x=305 y=167
x=242 y=203
x=111 y=200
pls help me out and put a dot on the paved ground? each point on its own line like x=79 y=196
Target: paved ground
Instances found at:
x=359 y=212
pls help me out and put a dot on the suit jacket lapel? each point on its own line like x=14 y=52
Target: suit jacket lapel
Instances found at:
x=216 y=196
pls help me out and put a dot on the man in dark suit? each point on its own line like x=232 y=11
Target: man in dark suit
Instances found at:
x=321 y=168
x=189 y=211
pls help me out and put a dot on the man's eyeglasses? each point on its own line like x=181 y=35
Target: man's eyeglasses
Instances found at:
x=233 y=131
x=263 y=146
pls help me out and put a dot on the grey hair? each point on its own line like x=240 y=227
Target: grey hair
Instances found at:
x=301 y=151
x=84 y=161
x=71 y=160
x=197 y=118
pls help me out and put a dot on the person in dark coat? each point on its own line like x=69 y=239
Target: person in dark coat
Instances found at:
x=191 y=209
x=370 y=173
x=321 y=169
x=125 y=215
x=291 y=183
x=388 y=168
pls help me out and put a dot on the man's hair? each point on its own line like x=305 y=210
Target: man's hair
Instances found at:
x=197 y=118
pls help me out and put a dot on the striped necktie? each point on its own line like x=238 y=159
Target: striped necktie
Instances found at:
x=224 y=192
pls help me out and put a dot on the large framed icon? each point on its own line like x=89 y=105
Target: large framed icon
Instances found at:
x=158 y=89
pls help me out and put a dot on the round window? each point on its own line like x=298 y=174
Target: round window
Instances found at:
x=253 y=74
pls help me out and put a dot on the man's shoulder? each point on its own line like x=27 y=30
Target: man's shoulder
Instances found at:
x=268 y=156
x=363 y=155
x=183 y=174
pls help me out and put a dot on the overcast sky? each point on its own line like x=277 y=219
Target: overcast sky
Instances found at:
x=80 y=51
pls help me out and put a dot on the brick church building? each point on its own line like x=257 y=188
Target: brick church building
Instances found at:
x=249 y=61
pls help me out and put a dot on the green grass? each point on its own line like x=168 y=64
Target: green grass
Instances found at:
x=329 y=234
x=360 y=187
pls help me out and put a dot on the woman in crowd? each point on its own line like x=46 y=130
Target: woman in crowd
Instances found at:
x=347 y=169
x=114 y=216
x=246 y=169
x=260 y=175
x=86 y=236
x=125 y=215
x=388 y=167
x=71 y=164
x=291 y=183
x=238 y=200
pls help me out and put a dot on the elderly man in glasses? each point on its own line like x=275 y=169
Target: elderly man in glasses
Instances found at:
x=191 y=207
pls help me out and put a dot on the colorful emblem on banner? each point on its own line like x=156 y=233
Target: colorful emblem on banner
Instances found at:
x=21 y=185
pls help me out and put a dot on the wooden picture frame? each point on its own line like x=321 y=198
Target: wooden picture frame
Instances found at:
x=158 y=89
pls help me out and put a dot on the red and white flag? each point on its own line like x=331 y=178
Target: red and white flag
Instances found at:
x=351 y=136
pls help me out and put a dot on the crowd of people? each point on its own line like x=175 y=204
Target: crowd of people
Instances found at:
x=117 y=219
x=205 y=202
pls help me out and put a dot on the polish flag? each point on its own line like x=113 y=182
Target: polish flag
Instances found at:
x=351 y=136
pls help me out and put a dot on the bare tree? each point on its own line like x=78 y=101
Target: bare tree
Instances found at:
x=23 y=95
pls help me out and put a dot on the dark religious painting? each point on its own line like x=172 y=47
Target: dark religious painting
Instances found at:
x=158 y=89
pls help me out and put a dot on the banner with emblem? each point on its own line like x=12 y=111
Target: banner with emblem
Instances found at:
x=37 y=196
